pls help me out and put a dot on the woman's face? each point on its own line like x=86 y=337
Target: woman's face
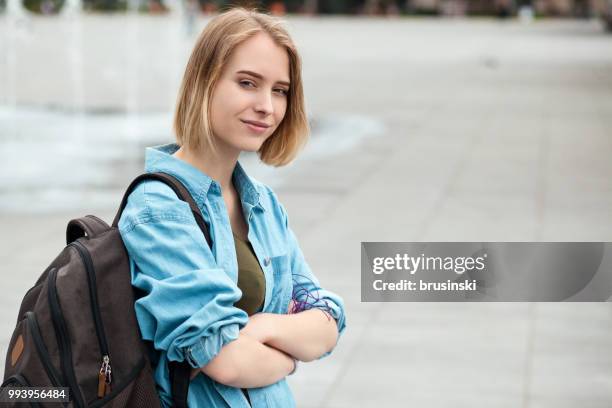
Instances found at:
x=250 y=98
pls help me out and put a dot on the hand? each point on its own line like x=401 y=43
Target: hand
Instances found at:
x=194 y=373
x=261 y=326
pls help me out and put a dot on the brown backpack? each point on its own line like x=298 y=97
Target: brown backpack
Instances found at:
x=77 y=327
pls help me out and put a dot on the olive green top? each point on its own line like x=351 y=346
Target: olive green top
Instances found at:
x=251 y=279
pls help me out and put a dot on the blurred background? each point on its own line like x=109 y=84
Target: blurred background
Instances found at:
x=500 y=8
x=431 y=120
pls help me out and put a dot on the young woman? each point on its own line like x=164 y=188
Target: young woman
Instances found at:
x=243 y=312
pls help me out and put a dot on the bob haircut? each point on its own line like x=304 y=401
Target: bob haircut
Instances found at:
x=208 y=59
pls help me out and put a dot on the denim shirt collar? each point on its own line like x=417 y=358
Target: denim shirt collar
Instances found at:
x=160 y=159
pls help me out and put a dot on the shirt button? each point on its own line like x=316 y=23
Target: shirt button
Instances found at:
x=267 y=261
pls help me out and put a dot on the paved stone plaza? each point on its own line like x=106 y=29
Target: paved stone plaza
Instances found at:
x=423 y=130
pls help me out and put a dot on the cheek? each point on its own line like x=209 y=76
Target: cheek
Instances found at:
x=216 y=120
x=226 y=100
x=280 y=110
x=222 y=109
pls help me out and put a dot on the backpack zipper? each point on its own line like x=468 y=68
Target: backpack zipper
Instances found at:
x=104 y=374
x=42 y=349
x=63 y=341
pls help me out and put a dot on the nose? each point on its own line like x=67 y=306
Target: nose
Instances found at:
x=263 y=104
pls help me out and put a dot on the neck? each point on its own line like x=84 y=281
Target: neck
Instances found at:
x=218 y=165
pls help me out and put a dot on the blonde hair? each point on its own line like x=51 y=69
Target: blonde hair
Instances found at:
x=209 y=57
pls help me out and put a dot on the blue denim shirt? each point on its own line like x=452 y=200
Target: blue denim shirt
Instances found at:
x=188 y=310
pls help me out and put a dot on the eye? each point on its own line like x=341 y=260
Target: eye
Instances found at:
x=282 y=91
x=245 y=83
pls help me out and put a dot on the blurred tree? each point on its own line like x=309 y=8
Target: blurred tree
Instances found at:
x=426 y=7
x=105 y=5
x=340 y=6
x=581 y=9
x=44 y=6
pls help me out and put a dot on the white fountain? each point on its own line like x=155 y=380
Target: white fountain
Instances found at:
x=15 y=9
x=72 y=7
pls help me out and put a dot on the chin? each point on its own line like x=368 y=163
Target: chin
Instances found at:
x=250 y=146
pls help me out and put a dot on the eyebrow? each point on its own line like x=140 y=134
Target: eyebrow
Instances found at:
x=259 y=76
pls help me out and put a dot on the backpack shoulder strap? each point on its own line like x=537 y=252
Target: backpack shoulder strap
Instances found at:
x=179 y=370
x=179 y=189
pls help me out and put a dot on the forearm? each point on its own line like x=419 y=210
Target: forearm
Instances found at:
x=305 y=336
x=247 y=363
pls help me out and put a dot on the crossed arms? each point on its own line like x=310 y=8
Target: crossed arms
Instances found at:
x=264 y=351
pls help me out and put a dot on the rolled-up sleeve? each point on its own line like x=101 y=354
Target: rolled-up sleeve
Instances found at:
x=306 y=287
x=187 y=302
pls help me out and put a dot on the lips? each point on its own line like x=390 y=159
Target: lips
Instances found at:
x=256 y=123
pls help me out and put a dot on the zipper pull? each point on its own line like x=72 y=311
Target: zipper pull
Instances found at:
x=101 y=385
x=104 y=377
